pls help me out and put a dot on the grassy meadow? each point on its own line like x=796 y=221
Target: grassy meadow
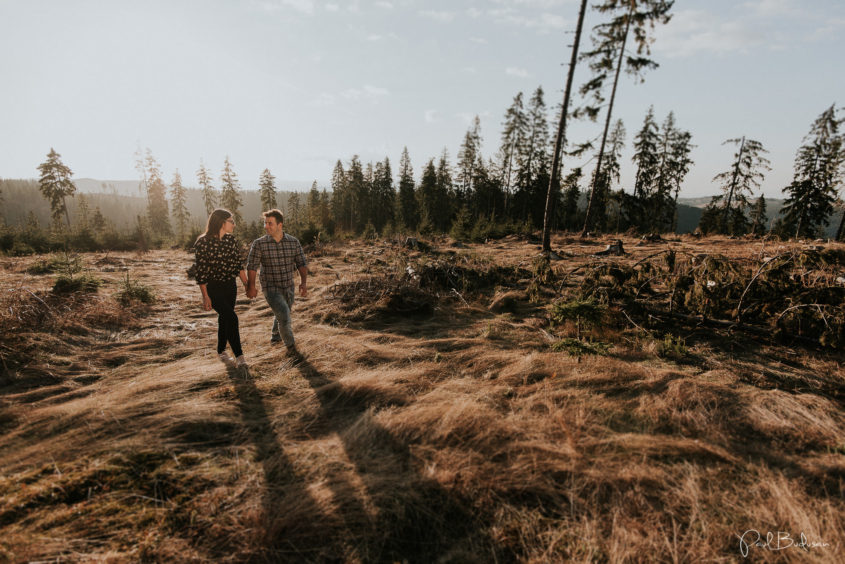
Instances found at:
x=458 y=403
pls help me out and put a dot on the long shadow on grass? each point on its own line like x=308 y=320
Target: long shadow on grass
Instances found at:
x=292 y=521
x=414 y=518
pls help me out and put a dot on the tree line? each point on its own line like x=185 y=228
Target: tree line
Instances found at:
x=525 y=185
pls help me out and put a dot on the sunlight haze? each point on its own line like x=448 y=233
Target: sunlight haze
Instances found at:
x=295 y=85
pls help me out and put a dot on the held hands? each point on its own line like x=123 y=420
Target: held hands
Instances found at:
x=251 y=292
x=206 y=303
x=303 y=290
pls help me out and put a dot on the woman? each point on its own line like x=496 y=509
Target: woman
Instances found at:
x=218 y=260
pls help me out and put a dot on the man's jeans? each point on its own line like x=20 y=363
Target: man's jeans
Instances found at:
x=280 y=302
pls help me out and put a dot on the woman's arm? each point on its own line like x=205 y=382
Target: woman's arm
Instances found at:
x=206 y=300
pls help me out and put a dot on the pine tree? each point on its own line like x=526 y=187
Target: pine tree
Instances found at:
x=98 y=222
x=609 y=40
x=533 y=162
x=267 y=190
x=384 y=196
x=230 y=191
x=571 y=195
x=158 y=211
x=407 y=207
x=554 y=178
x=293 y=215
x=679 y=165
x=514 y=131
x=818 y=173
x=209 y=194
x=326 y=221
x=427 y=199
x=468 y=157
x=608 y=175
x=314 y=205
x=738 y=183
x=359 y=192
x=56 y=185
x=341 y=198
x=444 y=194
x=180 y=205
x=82 y=224
x=759 y=219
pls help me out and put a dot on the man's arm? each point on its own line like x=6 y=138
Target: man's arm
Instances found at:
x=303 y=278
x=251 y=290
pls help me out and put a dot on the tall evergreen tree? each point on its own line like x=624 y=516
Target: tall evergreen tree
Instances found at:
x=56 y=185
x=444 y=194
x=83 y=209
x=554 y=177
x=314 y=205
x=267 y=190
x=468 y=157
x=427 y=199
x=608 y=175
x=359 y=192
x=407 y=208
x=179 y=196
x=230 y=191
x=738 y=183
x=341 y=198
x=609 y=40
x=818 y=173
x=514 y=132
x=759 y=219
x=209 y=194
x=384 y=196
x=158 y=210
x=679 y=165
x=293 y=214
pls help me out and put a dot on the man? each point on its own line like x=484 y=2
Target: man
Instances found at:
x=279 y=255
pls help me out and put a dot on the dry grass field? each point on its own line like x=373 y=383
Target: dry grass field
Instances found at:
x=442 y=412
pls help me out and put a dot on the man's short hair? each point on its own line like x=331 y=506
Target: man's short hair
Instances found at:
x=274 y=213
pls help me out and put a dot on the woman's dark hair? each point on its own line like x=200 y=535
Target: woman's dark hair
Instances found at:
x=215 y=222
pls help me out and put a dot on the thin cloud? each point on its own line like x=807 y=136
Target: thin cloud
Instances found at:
x=773 y=8
x=544 y=22
x=694 y=31
x=332 y=8
x=385 y=5
x=431 y=116
x=479 y=40
x=302 y=6
x=442 y=16
x=323 y=100
x=516 y=71
x=368 y=92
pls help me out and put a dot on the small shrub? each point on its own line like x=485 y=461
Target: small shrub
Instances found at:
x=68 y=284
x=672 y=347
x=585 y=313
x=578 y=348
x=133 y=290
x=44 y=266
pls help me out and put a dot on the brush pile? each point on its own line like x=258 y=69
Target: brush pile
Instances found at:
x=798 y=294
x=417 y=285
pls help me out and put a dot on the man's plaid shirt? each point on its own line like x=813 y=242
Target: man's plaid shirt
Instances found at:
x=278 y=261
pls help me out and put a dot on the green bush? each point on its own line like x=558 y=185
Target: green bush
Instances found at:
x=576 y=347
x=134 y=291
x=68 y=284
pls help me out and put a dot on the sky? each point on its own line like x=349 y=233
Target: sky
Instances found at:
x=295 y=85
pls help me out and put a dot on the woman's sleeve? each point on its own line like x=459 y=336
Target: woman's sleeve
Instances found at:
x=201 y=258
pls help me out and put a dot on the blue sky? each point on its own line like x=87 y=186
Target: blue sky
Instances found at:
x=294 y=85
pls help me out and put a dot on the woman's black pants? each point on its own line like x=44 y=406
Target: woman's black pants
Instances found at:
x=223 y=296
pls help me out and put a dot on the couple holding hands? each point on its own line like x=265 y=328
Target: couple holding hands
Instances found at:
x=276 y=256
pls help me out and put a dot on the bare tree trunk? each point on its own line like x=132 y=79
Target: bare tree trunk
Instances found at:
x=733 y=184
x=554 y=180
x=607 y=122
